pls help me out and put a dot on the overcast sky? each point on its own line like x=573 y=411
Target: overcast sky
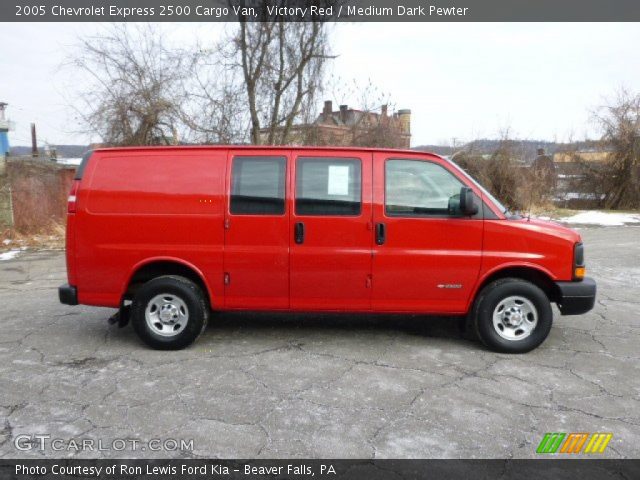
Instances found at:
x=463 y=81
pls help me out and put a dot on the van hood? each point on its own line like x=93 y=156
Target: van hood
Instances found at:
x=548 y=227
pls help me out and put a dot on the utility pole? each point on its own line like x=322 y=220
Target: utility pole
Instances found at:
x=34 y=141
x=635 y=167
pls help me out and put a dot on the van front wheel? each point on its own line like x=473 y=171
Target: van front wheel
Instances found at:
x=512 y=315
x=169 y=312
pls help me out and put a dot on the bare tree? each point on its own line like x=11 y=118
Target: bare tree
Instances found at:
x=134 y=91
x=214 y=108
x=282 y=71
x=254 y=85
x=620 y=175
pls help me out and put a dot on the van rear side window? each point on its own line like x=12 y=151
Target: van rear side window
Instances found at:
x=258 y=185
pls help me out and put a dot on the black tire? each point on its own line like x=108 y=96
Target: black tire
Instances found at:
x=490 y=298
x=193 y=300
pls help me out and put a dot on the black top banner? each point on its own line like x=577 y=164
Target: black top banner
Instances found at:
x=320 y=10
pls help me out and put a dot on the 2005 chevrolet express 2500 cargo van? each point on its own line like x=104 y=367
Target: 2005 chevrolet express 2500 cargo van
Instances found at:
x=178 y=231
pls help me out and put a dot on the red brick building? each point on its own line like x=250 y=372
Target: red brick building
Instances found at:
x=351 y=127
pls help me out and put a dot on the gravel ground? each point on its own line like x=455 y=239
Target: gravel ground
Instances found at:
x=272 y=386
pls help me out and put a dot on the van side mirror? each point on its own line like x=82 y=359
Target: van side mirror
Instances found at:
x=468 y=206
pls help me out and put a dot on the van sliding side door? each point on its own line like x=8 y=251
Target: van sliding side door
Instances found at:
x=331 y=231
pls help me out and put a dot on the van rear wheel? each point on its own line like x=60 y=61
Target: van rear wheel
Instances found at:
x=512 y=316
x=169 y=312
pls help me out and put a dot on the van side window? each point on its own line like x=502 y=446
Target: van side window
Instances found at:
x=328 y=186
x=418 y=188
x=258 y=185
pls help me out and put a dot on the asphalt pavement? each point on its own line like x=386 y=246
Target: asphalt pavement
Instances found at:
x=328 y=386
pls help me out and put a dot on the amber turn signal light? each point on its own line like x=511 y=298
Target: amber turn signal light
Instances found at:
x=579 y=272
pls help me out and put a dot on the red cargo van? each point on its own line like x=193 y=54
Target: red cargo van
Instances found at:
x=174 y=232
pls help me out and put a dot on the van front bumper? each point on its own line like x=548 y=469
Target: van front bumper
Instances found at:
x=68 y=294
x=576 y=297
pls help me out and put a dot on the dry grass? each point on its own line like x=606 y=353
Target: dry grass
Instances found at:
x=39 y=194
x=552 y=211
x=51 y=238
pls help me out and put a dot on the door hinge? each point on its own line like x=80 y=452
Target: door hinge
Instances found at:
x=227 y=278
x=368 y=282
x=227 y=223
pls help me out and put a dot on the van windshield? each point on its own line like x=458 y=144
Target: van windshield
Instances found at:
x=485 y=192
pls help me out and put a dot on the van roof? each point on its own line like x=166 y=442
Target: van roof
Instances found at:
x=260 y=147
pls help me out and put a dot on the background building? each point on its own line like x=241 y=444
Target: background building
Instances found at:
x=351 y=127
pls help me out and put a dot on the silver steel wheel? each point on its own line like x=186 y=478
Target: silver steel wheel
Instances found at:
x=166 y=315
x=514 y=318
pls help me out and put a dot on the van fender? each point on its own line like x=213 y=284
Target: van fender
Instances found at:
x=150 y=260
x=505 y=266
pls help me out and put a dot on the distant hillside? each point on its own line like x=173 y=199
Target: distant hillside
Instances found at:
x=437 y=149
x=63 y=151
x=527 y=149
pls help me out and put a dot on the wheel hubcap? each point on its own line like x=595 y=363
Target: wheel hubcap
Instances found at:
x=515 y=318
x=166 y=315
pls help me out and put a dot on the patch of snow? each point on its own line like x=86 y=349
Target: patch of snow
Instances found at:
x=6 y=241
x=605 y=219
x=11 y=254
x=561 y=175
x=579 y=196
x=69 y=161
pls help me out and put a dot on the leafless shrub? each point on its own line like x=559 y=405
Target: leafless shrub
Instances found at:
x=616 y=179
x=135 y=86
x=503 y=173
x=585 y=181
x=606 y=173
